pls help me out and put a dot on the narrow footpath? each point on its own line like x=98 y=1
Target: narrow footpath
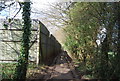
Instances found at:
x=62 y=69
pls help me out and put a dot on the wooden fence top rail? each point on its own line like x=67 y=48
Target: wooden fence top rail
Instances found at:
x=18 y=29
x=16 y=60
x=8 y=60
x=15 y=41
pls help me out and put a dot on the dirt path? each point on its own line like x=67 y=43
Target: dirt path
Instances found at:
x=61 y=69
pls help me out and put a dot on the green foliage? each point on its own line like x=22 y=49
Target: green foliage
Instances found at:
x=5 y=26
x=81 y=33
x=23 y=57
x=86 y=18
x=8 y=70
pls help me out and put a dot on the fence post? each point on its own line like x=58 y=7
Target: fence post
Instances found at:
x=38 y=45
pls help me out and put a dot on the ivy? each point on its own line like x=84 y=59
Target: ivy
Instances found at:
x=24 y=52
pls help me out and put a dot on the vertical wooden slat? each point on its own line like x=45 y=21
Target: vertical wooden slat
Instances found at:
x=38 y=47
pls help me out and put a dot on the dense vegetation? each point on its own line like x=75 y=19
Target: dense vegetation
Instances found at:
x=93 y=38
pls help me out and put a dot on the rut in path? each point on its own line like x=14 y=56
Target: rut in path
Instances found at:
x=62 y=68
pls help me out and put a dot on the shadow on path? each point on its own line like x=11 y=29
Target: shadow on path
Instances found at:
x=61 y=69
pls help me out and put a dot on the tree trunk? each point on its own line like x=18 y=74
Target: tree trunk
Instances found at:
x=104 y=58
x=117 y=15
x=21 y=68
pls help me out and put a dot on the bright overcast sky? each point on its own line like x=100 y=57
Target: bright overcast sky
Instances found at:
x=41 y=4
x=37 y=6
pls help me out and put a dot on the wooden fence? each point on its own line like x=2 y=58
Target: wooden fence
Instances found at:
x=44 y=44
x=49 y=46
x=10 y=40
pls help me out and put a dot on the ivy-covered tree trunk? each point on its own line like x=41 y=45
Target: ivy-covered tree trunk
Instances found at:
x=21 y=68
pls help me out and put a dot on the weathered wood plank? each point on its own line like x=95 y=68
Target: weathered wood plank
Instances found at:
x=18 y=29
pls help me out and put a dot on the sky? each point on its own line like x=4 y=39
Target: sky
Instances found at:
x=43 y=4
x=37 y=6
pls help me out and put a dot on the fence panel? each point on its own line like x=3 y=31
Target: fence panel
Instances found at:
x=50 y=47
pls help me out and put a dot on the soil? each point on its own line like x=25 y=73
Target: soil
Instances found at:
x=62 y=69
